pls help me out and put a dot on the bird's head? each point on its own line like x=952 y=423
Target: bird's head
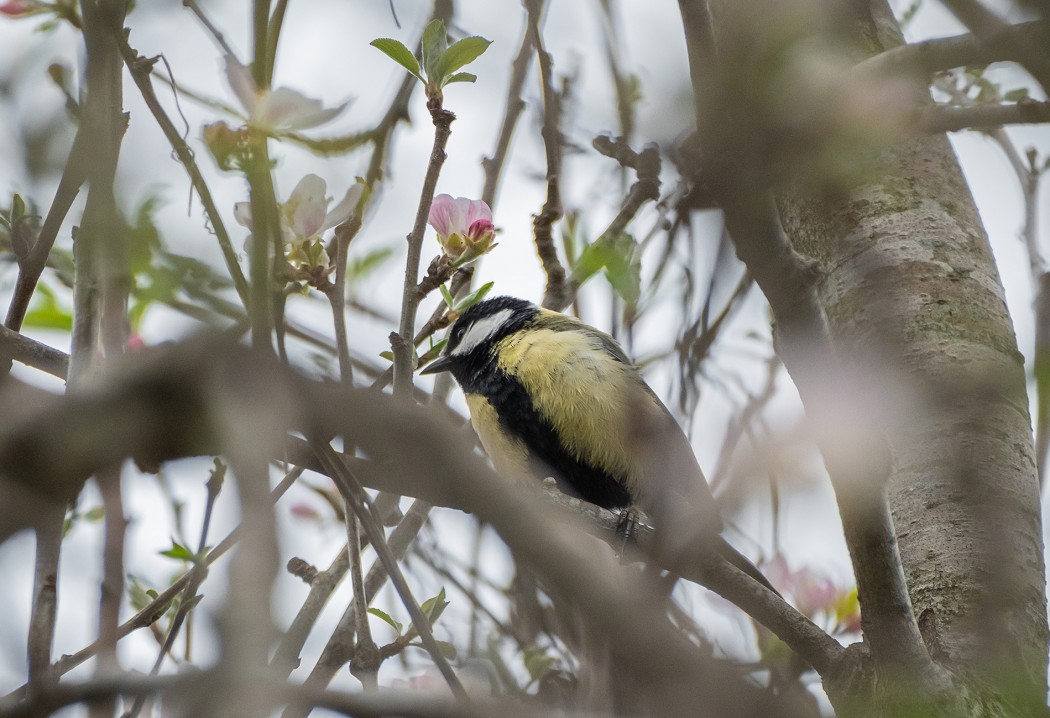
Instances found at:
x=477 y=331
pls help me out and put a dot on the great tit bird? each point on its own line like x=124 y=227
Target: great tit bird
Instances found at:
x=551 y=396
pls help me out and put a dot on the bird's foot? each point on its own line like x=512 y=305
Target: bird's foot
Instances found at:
x=626 y=527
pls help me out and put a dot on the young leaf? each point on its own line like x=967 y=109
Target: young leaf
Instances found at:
x=450 y=302
x=386 y=618
x=435 y=42
x=178 y=551
x=461 y=77
x=434 y=607
x=396 y=51
x=361 y=267
x=447 y=649
x=45 y=313
x=192 y=603
x=537 y=662
x=460 y=55
x=1013 y=95
x=94 y=514
x=474 y=297
x=18 y=208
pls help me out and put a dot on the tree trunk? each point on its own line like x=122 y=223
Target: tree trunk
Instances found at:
x=915 y=311
x=913 y=297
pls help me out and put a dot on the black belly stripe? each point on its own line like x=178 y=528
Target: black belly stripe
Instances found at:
x=548 y=457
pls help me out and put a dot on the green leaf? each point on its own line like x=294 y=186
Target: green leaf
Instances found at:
x=434 y=607
x=18 y=208
x=432 y=353
x=461 y=77
x=388 y=355
x=450 y=301
x=537 y=662
x=435 y=43
x=94 y=514
x=444 y=647
x=45 y=312
x=178 y=551
x=396 y=51
x=617 y=256
x=460 y=55
x=474 y=297
x=192 y=603
x=1012 y=96
x=361 y=267
x=386 y=618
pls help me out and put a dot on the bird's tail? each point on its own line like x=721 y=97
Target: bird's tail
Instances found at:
x=739 y=560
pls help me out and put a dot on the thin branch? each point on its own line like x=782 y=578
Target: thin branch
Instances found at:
x=340 y=646
x=208 y=684
x=20 y=348
x=555 y=295
x=991 y=30
x=189 y=594
x=141 y=69
x=73 y=176
x=404 y=364
x=950 y=118
x=645 y=189
x=155 y=609
x=45 y=600
x=366 y=660
x=112 y=590
x=215 y=33
x=322 y=584
x=352 y=493
x=945 y=53
x=513 y=107
x=273 y=35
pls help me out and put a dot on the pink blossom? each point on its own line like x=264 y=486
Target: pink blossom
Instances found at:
x=19 y=8
x=464 y=227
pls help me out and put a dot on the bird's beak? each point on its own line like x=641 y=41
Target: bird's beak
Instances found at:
x=438 y=365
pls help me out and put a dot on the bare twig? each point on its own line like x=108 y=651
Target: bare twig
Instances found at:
x=208 y=684
x=555 y=295
x=366 y=660
x=404 y=364
x=513 y=106
x=45 y=600
x=20 y=348
x=73 y=176
x=141 y=69
x=215 y=33
x=991 y=30
x=189 y=593
x=945 y=118
x=340 y=646
x=112 y=590
x=353 y=494
x=944 y=53
x=154 y=610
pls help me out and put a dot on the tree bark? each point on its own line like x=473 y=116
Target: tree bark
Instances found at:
x=914 y=300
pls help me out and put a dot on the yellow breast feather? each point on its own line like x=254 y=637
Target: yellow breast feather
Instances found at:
x=509 y=454
x=591 y=399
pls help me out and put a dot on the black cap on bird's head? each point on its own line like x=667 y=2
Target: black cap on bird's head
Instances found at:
x=479 y=327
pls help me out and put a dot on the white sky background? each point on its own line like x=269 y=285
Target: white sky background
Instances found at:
x=324 y=53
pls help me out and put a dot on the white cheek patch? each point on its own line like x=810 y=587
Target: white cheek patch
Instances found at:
x=481 y=330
